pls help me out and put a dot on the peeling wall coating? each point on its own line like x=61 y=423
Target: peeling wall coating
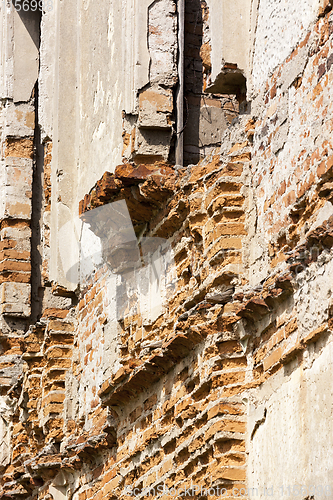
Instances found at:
x=166 y=327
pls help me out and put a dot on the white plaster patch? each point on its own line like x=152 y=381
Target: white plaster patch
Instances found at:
x=315 y=282
x=281 y=25
x=292 y=445
x=99 y=132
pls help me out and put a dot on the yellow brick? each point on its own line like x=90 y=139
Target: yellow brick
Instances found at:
x=222 y=187
x=225 y=426
x=273 y=358
x=166 y=467
x=231 y=473
x=224 y=243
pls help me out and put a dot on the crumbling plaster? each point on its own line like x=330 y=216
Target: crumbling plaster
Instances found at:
x=279 y=26
x=26 y=53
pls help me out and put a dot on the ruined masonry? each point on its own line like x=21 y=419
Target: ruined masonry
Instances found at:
x=166 y=243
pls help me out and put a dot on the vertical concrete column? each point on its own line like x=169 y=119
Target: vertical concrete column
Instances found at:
x=65 y=134
x=180 y=92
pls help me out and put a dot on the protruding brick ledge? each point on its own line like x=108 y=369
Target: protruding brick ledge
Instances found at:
x=134 y=378
x=47 y=463
x=131 y=380
x=144 y=187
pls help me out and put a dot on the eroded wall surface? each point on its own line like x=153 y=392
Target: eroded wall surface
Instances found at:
x=292 y=164
x=166 y=327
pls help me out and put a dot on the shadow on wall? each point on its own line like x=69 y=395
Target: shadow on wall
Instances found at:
x=26 y=49
x=206 y=114
x=193 y=79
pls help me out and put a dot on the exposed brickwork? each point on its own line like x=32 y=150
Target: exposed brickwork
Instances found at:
x=304 y=187
x=15 y=232
x=100 y=405
x=19 y=148
x=197 y=339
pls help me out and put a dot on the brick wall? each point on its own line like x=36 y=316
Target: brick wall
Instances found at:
x=100 y=405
